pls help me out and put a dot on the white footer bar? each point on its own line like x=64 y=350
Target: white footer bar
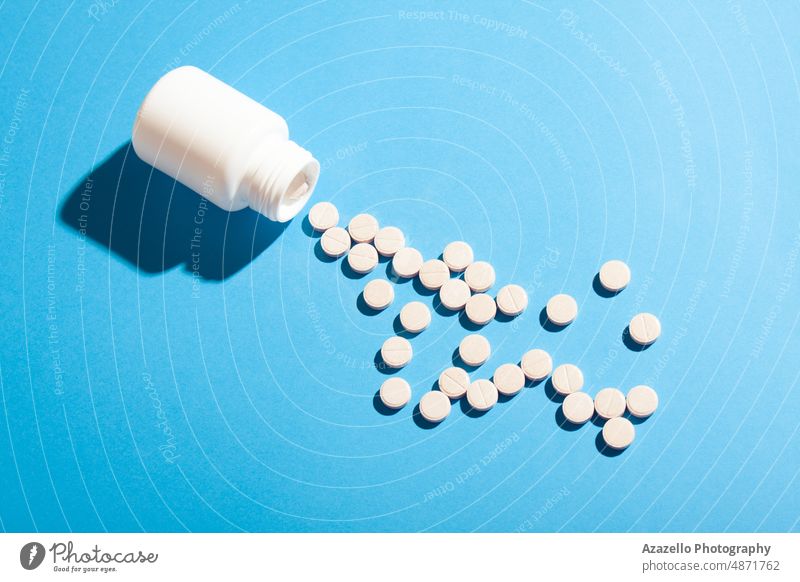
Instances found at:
x=388 y=557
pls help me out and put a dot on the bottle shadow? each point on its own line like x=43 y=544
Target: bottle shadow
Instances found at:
x=155 y=224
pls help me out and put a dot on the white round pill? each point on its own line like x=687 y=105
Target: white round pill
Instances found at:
x=389 y=240
x=415 y=316
x=335 y=241
x=457 y=256
x=562 y=309
x=378 y=294
x=322 y=216
x=433 y=274
x=609 y=403
x=508 y=379
x=434 y=406
x=454 y=382
x=362 y=258
x=536 y=364
x=454 y=294
x=644 y=328
x=512 y=300
x=363 y=228
x=567 y=378
x=474 y=349
x=480 y=309
x=619 y=433
x=482 y=395
x=395 y=393
x=479 y=276
x=407 y=262
x=396 y=352
x=577 y=407
x=615 y=275
x=642 y=401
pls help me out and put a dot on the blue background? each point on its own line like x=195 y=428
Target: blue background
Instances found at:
x=143 y=389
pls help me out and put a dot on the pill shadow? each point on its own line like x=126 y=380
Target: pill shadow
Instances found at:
x=394 y=278
x=634 y=419
x=548 y=325
x=440 y=309
x=399 y=330
x=308 y=229
x=321 y=255
x=597 y=420
x=532 y=383
x=551 y=393
x=503 y=398
x=348 y=271
x=154 y=223
x=420 y=421
x=459 y=363
x=604 y=449
x=503 y=318
x=467 y=324
x=469 y=410
x=421 y=289
x=630 y=343
x=361 y=305
x=382 y=367
x=565 y=424
x=602 y=291
x=381 y=408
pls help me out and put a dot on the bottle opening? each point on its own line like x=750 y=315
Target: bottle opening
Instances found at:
x=298 y=192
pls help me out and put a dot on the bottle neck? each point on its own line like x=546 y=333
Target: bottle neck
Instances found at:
x=280 y=179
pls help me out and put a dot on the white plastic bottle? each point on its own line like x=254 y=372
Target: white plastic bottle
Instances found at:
x=223 y=145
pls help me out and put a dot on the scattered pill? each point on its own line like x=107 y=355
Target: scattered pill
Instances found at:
x=389 y=240
x=479 y=276
x=482 y=395
x=644 y=328
x=512 y=300
x=536 y=364
x=619 y=433
x=615 y=275
x=378 y=294
x=474 y=349
x=457 y=256
x=396 y=352
x=577 y=407
x=434 y=406
x=454 y=294
x=433 y=274
x=335 y=241
x=322 y=216
x=362 y=258
x=642 y=401
x=508 y=379
x=609 y=403
x=562 y=309
x=395 y=393
x=363 y=228
x=567 y=378
x=407 y=262
x=454 y=382
x=480 y=309
x=415 y=316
